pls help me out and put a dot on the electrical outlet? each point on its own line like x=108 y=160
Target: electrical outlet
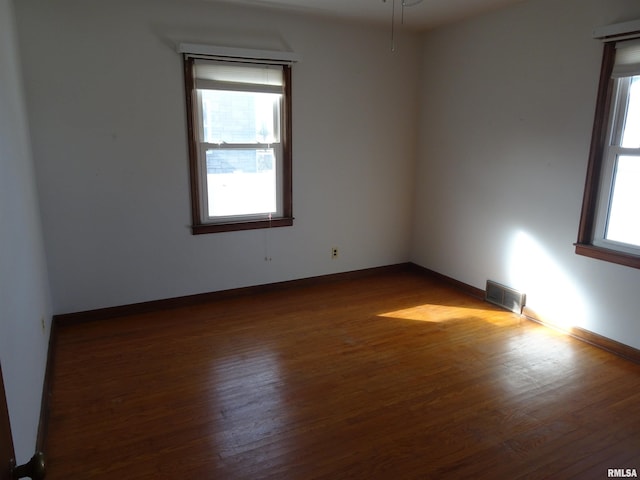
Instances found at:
x=334 y=252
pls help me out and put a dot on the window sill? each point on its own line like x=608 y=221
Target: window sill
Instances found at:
x=607 y=255
x=204 y=228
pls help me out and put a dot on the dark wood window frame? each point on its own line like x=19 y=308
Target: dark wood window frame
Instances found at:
x=198 y=226
x=584 y=245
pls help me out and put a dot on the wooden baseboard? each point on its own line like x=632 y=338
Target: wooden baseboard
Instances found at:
x=594 y=339
x=47 y=386
x=620 y=349
x=612 y=346
x=591 y=338
x=190 y=300
x=463 y=287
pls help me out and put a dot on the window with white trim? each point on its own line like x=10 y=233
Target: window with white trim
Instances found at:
x=610 y=222
x=239 y=143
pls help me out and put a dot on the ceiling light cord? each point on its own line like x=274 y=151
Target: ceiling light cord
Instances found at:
x=403 y=4
x=393 y=25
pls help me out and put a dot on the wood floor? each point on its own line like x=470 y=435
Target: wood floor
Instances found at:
x=393 y=376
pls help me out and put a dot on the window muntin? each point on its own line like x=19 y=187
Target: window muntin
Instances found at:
x=239 y=133
x=610 y=221
x=240 y=153
x=618 y=215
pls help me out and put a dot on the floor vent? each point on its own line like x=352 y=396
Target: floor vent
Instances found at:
x=505 y=297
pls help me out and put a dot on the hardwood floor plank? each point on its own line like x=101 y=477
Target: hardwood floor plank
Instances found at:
x=394 y=375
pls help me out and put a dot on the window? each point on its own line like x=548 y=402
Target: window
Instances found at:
x=239 y=131
x=610 y=222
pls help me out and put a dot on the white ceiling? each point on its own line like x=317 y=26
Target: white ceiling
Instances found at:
x=425 y=15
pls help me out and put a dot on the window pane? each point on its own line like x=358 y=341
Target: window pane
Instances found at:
x=240 y=117
x=241 y=181
x=624 y=211
x=631 y=134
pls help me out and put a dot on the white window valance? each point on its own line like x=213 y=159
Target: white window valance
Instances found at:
x=245 y=54
x=618 y=31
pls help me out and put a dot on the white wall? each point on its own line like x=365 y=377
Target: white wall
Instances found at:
x=105 y=99
x=507 y=103
x=24 y=294
x=507 y=110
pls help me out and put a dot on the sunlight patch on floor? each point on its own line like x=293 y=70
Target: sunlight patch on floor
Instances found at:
x=444 y=313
